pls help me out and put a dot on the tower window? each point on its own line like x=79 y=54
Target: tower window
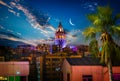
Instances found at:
x=60 y=29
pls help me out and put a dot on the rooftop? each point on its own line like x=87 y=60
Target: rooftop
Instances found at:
x=88 y=61
x=83 y=61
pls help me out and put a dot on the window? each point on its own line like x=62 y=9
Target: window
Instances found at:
x=116 y=77
x=68 y=76
x=55 y=59
x=87 y=78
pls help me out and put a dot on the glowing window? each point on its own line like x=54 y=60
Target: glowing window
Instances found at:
x=60 y=29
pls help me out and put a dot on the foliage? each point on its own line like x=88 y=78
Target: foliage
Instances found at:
x=104 y=27
x=93 y=47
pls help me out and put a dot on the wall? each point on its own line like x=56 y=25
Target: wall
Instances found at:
x=14 y=68
x=79 y=71
x=116 y=70
x=66 y=68
x=99 y=73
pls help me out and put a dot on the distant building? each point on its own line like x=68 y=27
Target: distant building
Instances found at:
x=14 y=71
x=2 y=58
x=26 y=46
x=49 y=67
x=54 y=49
x=43 y=48
x=87 y=69
x=83 y=49
x=59 y=42
x=24 y=49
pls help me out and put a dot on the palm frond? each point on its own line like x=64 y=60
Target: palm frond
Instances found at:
x=105 y=17
x=91 y=32
x=93 y=47
x=92 y=17
x=115 y=30
x=116 y=17
x=104 y=11
x=103 y=23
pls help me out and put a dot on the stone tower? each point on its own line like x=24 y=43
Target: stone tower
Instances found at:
x=60 y=37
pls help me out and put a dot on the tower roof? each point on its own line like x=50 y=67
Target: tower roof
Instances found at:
x=60 y=28
x=60 y=24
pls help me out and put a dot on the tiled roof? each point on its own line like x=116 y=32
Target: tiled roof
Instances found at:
x=89 y=61
x=84 y=61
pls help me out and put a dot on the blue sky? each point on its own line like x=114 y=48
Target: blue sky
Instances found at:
x=35 y=21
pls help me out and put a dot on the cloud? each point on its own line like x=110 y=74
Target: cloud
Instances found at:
x=9 y=8
x=46 y=41
x=3 y=3
x=15 y=13
x=38 y=20
x=90 y=5
x=12 y=11
x=48 y=19
x=32 y=19
x=16 y=39
x=9 y=34
x=96 y=4
x=7 y=37
x=18 y=33
x=75 y=37
x=50 y=27
x=8 y=30
x=1 y=27
x=56 y=20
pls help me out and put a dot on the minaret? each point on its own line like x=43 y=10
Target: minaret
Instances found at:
x=60 y=37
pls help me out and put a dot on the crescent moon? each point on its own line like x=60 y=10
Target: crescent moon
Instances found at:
x=71 y=22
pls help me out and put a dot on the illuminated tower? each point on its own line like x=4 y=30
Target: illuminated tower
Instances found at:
x=60 y=37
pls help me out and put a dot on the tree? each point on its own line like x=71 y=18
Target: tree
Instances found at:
x=104 y=26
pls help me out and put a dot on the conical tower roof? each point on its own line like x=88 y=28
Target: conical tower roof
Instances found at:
x=60 y=25
x=60 y=28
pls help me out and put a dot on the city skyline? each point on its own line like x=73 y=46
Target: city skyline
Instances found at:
x=36 y=21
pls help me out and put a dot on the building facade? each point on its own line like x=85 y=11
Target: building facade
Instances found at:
x=87 y=69
x=49 y=67
x=14 y=71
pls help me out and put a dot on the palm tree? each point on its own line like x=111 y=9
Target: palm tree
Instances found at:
x=104 y=27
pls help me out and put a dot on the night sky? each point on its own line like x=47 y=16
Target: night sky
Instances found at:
x=35 y=21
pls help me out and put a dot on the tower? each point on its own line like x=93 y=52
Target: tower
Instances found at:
x=60 y=37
